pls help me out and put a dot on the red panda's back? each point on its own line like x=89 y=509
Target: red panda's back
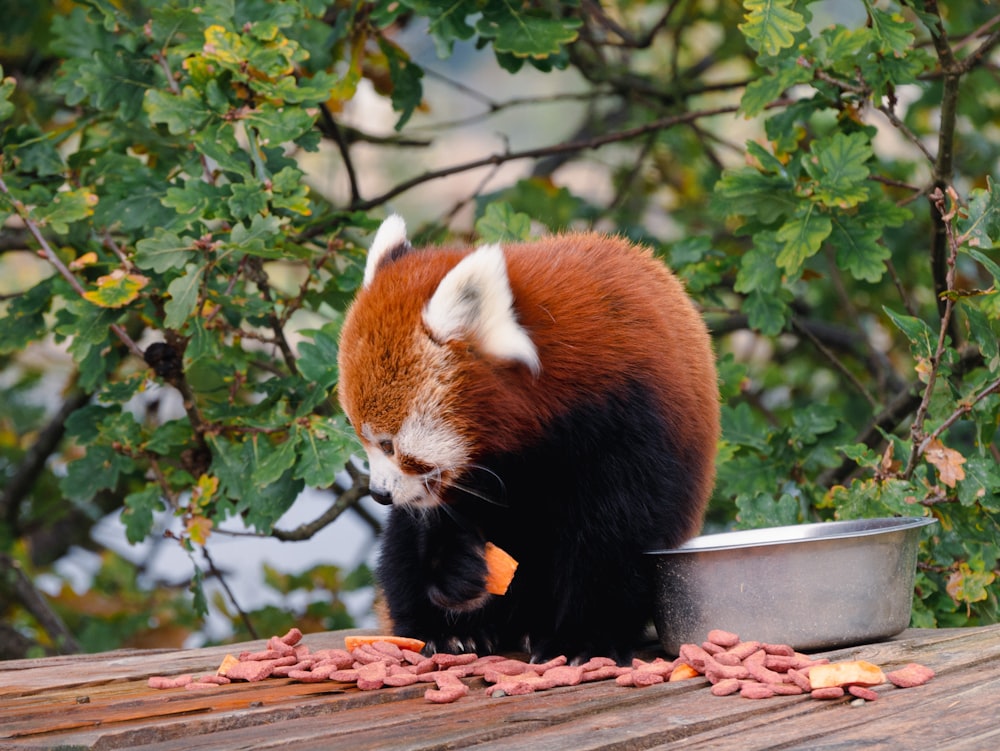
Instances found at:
x=603 y=312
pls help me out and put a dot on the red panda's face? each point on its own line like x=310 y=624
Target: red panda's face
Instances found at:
x=412 y=466
x=400 y=381
x=398 y=406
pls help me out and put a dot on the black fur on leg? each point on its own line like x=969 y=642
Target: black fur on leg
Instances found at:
x=605 y=484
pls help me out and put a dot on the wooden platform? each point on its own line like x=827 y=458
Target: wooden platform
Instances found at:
x=102 y=701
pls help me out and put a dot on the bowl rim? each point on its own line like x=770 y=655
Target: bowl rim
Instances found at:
x=797 y=534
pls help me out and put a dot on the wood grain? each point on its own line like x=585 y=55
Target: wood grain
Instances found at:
x=103 y=702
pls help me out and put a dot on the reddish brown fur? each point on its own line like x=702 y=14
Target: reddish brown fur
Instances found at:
x=575 y=437
x=656 y=330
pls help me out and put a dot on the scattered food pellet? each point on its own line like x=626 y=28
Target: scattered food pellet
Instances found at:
x=751 y=669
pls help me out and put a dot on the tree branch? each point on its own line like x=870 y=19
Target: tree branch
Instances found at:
x=587 y=144
x=944 y=164
x=30 y=467
x=917 y=429
x=22 y=589
x=347 y=499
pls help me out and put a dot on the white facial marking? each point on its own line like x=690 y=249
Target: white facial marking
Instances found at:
x=425 y=439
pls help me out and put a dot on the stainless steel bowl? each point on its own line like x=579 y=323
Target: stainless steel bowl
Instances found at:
x=813 y=586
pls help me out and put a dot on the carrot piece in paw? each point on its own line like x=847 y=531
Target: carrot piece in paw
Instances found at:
x=500 y=568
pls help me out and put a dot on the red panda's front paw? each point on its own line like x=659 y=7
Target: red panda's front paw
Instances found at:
x=480 y=643
x=458 y=579
x=459 y=596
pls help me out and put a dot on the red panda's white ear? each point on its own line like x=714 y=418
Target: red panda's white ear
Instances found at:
x=474 y=303
x=390 y=241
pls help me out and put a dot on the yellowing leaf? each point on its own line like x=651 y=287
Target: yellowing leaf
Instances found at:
x=198 y=529
x=85 y=260
x=224 y=46
x=966 y=585
x=948 y=462
x=116 y=289
x=344 y=90
x=204 y=490
x=924 y=369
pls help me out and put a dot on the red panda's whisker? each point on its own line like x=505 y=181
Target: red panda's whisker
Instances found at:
x=481 y=494
x=476 y=493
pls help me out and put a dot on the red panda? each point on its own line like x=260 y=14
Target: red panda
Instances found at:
x=557 y=398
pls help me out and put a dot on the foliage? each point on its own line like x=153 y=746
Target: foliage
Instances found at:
x=817 y=172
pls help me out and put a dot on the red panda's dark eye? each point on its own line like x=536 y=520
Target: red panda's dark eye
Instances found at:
x=386 y=446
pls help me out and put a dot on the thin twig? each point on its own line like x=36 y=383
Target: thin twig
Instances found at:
x=917 y=428
x=214 y=570
x=345 y=500
x=345 y=152
x=597 y=142
x=963 y=409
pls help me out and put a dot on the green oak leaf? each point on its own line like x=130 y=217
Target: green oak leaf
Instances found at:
x=838 y=165
x=802 y=236
x=766 y=312
x=96 y=470
x=318 y=358
x=289 y=191
x=407 y=89
x=528 y=34
x=278 y=124
x=771 y=25
x=34 y=151
x=271 y=460
x=981 y=228
x=259 y=239
x=65 y=208
x=248 y=199
x=760 y=92
x=269 y=503
x=448 y=21
x=756 y=510
x=163 y=251
x=7 y=86
x=922 y=340
x=858 y=248
x=500 y=223
x=324 y=448
x=758 y=271
x=749 y=192
x=24 y=318
x=137 y=513
x=180 y=113
x=183 y=293
x=982 y=333
x=195 y=197
x=893 y=33
x=742 y=426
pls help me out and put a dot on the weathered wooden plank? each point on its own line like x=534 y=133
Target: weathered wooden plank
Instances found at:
x=277 y=714
x=28 y=676
x=795 y=722
x=961 y=705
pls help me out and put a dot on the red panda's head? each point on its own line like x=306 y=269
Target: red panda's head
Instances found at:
x=420 y=315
